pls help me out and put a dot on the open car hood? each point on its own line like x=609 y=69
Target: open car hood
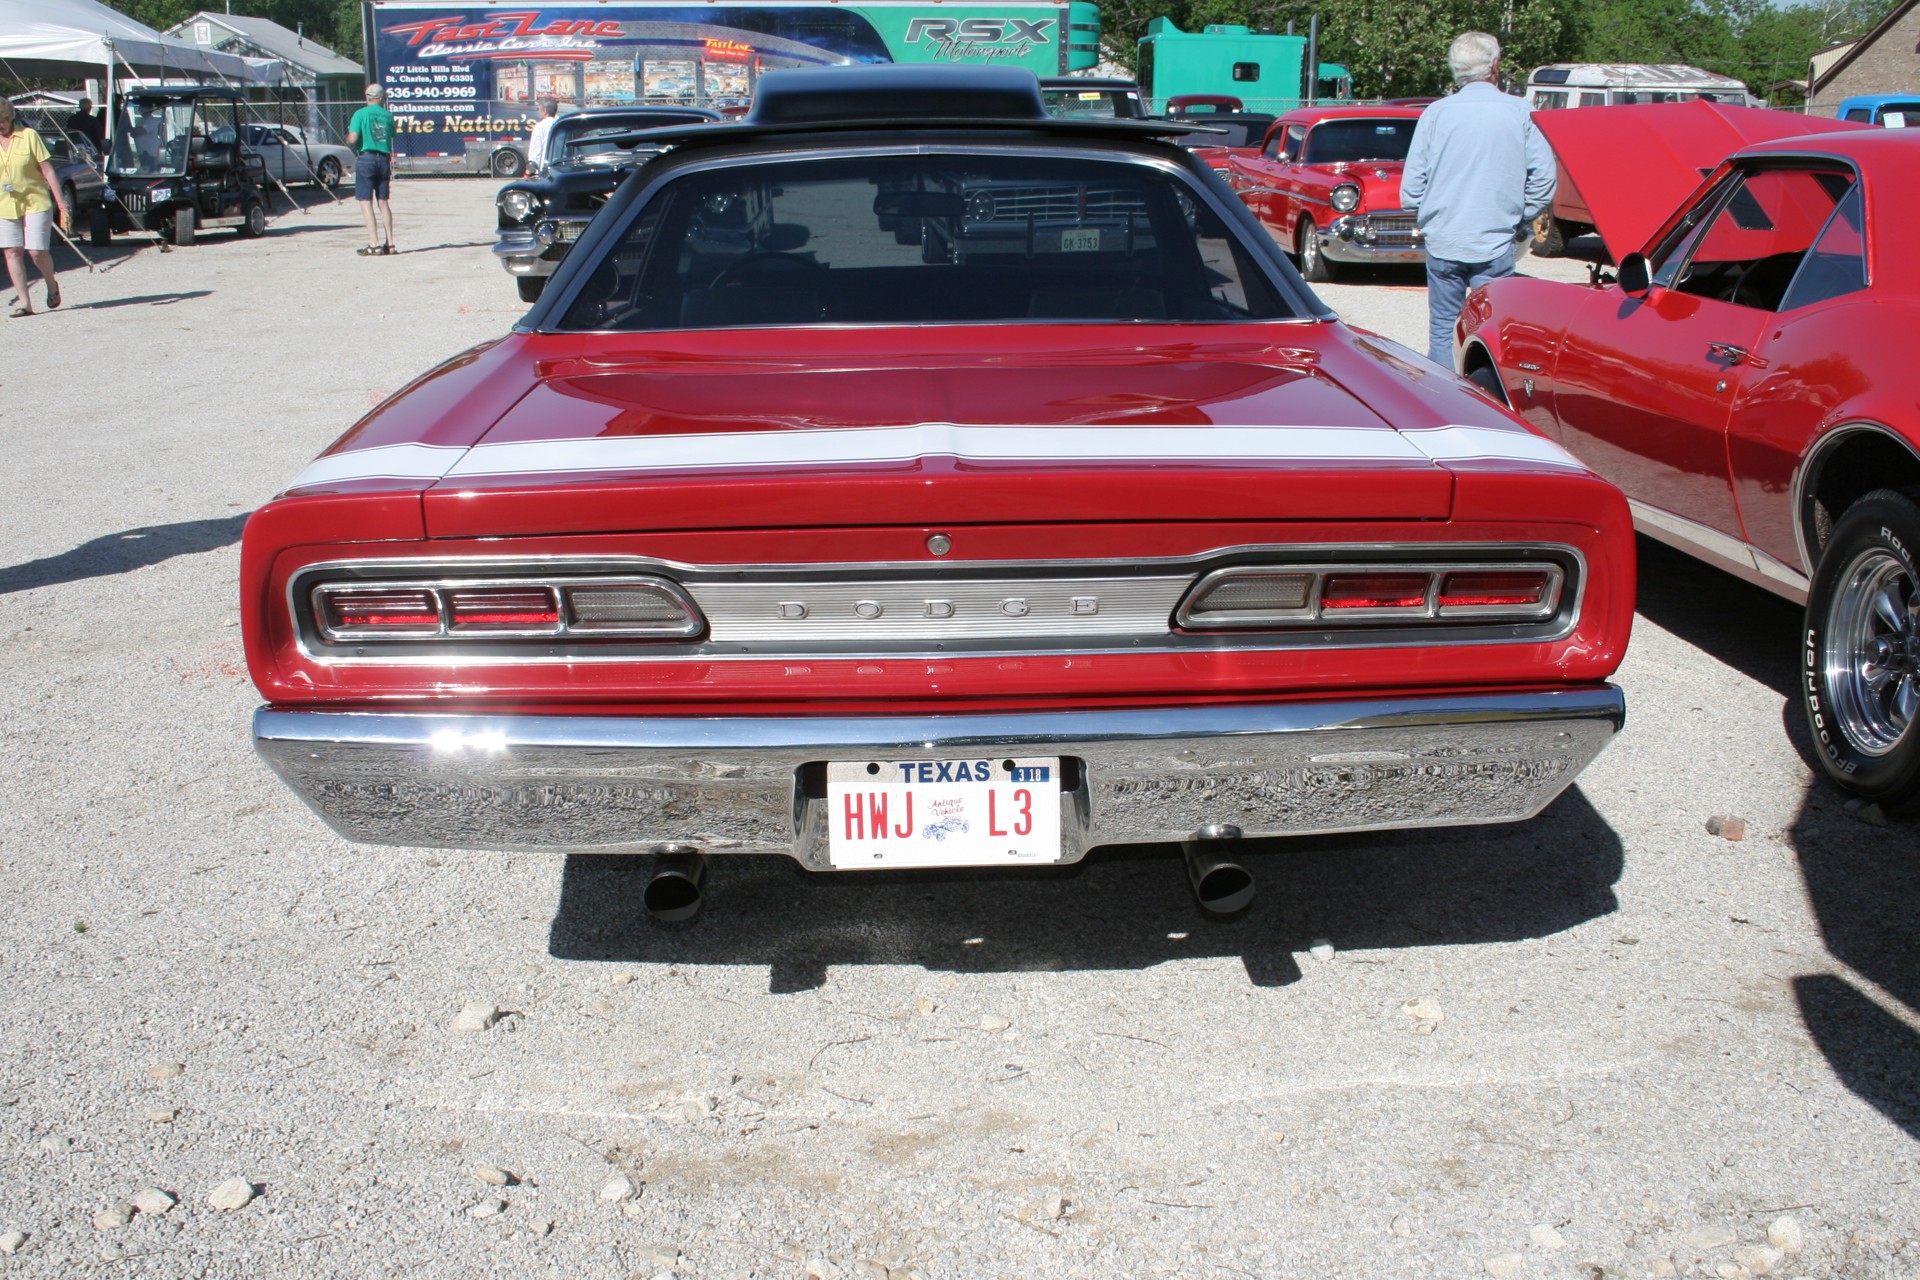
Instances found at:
x=1634 y=165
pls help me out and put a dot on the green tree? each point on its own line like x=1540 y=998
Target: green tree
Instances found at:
x=1398 y=50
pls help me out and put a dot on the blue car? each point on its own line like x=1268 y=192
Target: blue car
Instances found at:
x=1895 y=110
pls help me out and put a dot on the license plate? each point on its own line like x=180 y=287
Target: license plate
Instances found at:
x=1085 y=240
x=943 y=813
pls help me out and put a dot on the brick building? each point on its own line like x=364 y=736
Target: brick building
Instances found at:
x=1885 y=60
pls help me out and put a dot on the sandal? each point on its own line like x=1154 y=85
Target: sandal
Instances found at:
x=368 y=251
x=17 y=312
x=388 y=249
x=53 y=296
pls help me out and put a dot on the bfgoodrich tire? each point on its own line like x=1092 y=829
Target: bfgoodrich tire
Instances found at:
x=1860 y=650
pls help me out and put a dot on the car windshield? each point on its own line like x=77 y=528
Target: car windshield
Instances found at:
x=1351 y=141
x=924 y=240
x=591 y=139
x=150 y=136
x=1085 y=104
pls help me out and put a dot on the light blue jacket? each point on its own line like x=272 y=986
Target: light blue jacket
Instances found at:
x=1477 y=171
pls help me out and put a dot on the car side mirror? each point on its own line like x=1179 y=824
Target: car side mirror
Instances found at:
x=1636 y=276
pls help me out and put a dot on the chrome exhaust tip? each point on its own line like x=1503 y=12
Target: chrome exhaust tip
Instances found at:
x=673 y=891
x=1221 y=885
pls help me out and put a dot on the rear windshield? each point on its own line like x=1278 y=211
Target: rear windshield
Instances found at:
x=1350 y=141
x=924 y=240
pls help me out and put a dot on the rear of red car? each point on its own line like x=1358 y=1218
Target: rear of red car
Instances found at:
x=1146 y=547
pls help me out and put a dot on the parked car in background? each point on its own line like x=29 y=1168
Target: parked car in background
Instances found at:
x=178 y=169
x=1203 y=104
x=588 y=153
x=1092 y=97
x=79 y=168
x=1217 y=135
x=1326 y=183
x=1625 y=84
x=762 y=533
x=1894 y=110
x=1749 y=382
x=290 y=156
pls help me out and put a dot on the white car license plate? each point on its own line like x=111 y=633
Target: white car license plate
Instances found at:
x=1085 y=240
x=943 y=813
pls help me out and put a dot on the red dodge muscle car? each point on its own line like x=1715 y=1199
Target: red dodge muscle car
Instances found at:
x=1749 y=381
x=766 y=532
x=1326 y=182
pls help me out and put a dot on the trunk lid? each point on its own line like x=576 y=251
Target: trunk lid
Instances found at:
x=862 y=428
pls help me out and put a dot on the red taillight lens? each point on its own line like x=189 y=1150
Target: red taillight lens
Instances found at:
x=1375 y=591
x=1495 y=589
x=404 y=611
x=503 y=609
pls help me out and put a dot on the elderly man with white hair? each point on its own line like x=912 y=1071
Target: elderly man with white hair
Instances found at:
x=1477 y=173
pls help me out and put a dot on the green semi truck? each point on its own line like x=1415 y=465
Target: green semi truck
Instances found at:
x=1264 y=69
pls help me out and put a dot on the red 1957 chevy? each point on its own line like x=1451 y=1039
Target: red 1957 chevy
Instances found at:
x=770 y=529
x=1326 y=182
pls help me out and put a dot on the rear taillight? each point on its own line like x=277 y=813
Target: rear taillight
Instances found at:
x=593 y=608
x=1292 y=596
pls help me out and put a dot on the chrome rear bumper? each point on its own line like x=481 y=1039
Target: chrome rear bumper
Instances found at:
x=620 y=784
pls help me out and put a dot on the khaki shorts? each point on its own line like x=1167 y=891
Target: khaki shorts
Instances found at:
x=33 y=232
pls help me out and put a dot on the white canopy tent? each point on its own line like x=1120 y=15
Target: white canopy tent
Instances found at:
x=83 y=38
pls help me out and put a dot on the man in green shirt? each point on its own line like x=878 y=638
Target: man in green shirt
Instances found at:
x=370 y=132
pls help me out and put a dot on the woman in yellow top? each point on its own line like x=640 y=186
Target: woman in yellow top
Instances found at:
x=29 y=192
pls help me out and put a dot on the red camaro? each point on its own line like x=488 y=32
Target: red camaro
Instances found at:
x=1326 y=182
x=1749 y=381
x=777 y=527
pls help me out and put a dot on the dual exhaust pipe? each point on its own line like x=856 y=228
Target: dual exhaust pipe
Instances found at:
x=674 y=891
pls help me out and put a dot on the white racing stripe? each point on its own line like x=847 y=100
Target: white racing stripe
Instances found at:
x=383 y=462
x=904 y=444
x=858 y=445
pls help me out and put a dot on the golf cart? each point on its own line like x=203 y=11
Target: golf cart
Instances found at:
x=177 y=167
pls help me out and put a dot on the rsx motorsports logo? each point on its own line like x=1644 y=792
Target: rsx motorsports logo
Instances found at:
x=983 y=38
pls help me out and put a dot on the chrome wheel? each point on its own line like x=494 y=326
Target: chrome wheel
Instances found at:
x=1871 y=652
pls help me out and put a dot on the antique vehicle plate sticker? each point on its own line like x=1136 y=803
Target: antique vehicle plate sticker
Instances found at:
x=1085 y=240
x=943 y=813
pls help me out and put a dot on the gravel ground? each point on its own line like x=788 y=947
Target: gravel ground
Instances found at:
x=1606 y=1043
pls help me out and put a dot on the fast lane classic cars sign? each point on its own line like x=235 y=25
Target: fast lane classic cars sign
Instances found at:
x=470 y=73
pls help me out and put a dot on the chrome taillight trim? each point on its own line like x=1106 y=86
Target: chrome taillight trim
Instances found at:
x=1314 y=613
x=439 y=591
x=613 y=567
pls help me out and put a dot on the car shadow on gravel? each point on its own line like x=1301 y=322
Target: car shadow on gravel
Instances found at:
x=1125 y=907
x=1863 y=883
x=123 y=551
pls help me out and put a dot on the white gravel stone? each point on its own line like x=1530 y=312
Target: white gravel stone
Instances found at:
x=1663 y=1268
x=1545 y=1237
x=475 y=1016
x=487 y=1209
x=821 y=1269
x=1506 y=1266
x=1760 y=1259
x=1426 y=1014
x=153 y=1200
x=1401 y=1226
x=622 y=979
x=113 y=1217
x=11 y=1241
x=1707 y=1239
x=162 y=1117
x=602 y=1005
x=1321 y=949
x=491 y=1176
x=1054 y=1206
x=234 y=1193
x=616 y=1190
x=1785 y=1234
x=56 y=1144
x=542 y=1228
x=924 y=1006
x=994 y=1022
x=166 y=1070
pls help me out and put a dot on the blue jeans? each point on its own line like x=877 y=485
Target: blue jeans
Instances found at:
x=1448 y=283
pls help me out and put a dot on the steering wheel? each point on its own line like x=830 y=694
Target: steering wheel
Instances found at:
x=768 y=262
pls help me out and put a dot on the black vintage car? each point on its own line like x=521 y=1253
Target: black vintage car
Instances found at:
x=587 y=155
x=177 y=167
